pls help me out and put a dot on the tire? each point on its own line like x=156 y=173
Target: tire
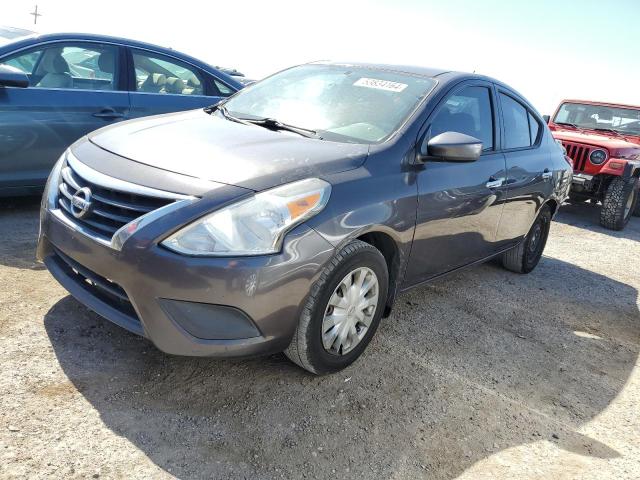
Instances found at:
x=619 y=203
x=525 y=257
x=307 y=348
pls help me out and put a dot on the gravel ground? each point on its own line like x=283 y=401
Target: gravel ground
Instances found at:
x=486 y=374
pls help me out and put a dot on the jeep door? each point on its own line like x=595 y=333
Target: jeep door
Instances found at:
x=74 y=89
x=459 y=203
x=529 y=166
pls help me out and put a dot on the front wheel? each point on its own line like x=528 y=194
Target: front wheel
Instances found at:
x=525 y=257
x=619 y=202
x=342 y=311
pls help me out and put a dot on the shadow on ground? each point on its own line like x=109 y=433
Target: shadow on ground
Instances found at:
x=459 y=372
x=587 y=215
x=19 y=232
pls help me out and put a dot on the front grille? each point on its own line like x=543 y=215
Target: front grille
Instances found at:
x=579 y=154
x=102 y=288
x=110 y=209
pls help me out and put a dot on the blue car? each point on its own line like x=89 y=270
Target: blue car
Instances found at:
x=57 y=88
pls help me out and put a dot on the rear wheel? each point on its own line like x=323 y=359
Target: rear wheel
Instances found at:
x=342 y=311
x=525 y=257
x=620 y=201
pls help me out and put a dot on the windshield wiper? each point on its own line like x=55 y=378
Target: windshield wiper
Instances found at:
x=273 y=124
x=567 y=123
x=611 y=130
x=225 y=113
x=267 y=122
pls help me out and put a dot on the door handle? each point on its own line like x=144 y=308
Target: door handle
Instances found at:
x=547 y=174
x=494 y=182
x=108 y=113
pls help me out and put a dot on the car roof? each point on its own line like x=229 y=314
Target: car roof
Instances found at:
x=411 y=69
x=604 y=104
x=48 y=37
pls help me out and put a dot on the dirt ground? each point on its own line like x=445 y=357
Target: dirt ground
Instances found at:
x=486 y=374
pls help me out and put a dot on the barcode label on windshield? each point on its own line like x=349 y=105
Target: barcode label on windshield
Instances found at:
x=380 y=84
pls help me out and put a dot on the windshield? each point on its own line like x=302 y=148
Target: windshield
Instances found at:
x=600 y=117
x=340 y=103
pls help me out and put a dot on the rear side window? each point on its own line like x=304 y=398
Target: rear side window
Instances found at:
x=467 y=111
x=159 y=74
x=518 y=131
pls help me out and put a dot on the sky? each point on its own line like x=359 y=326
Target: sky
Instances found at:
x=546 y=49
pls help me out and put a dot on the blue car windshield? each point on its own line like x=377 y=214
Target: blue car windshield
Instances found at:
x=342 y=103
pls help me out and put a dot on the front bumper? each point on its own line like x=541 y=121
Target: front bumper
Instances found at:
x=221 y=307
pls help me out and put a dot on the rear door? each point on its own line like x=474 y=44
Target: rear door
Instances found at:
x=459 y=203
x=529 y=167
x=163 y=84
x=75 y=88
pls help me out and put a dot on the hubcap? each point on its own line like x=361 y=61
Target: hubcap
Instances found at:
x=350 y=311
x=535 y=237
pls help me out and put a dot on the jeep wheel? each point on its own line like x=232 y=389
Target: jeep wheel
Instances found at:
x=525 y=257
x=342 y=311
x=619 y=202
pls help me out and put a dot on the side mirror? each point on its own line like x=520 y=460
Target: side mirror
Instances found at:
x=546 y=119
x=451 y=147
x=12 y=77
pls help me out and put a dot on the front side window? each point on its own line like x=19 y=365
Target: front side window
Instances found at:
x=467 y=111
x=341 y=103
x=599 y=117
x=70 y=66
x=159 y=74
x=516 y=123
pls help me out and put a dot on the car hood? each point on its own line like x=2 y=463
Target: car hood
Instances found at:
x=212 y=148
x=596 y=139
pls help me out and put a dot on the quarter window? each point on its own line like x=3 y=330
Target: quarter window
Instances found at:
x=518 y=132
x=159 y=74
x=70 y=66
x=467 y=111
x=534 y=128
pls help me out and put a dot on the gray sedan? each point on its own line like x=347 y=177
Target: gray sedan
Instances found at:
x=290 y=216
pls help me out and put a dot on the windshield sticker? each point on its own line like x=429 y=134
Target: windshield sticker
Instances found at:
x=381 y=84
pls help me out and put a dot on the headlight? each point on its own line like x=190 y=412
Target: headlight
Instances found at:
x=598 y=157
x=255 y=226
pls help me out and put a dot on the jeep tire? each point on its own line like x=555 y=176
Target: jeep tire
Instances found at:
x=620 y=201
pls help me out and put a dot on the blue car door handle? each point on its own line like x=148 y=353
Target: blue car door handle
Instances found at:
x=108 y=113
x=495 y=182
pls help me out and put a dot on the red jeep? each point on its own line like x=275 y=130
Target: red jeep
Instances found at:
x=603 y=140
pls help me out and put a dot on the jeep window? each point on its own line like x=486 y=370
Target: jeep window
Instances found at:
x=600 y=117
x=341 y=103
x=467 y=111
x=516 y=123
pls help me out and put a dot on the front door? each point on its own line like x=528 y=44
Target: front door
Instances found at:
x=459 y=204
x=73 y=90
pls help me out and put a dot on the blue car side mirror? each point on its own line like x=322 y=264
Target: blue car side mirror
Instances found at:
x=12 y=77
